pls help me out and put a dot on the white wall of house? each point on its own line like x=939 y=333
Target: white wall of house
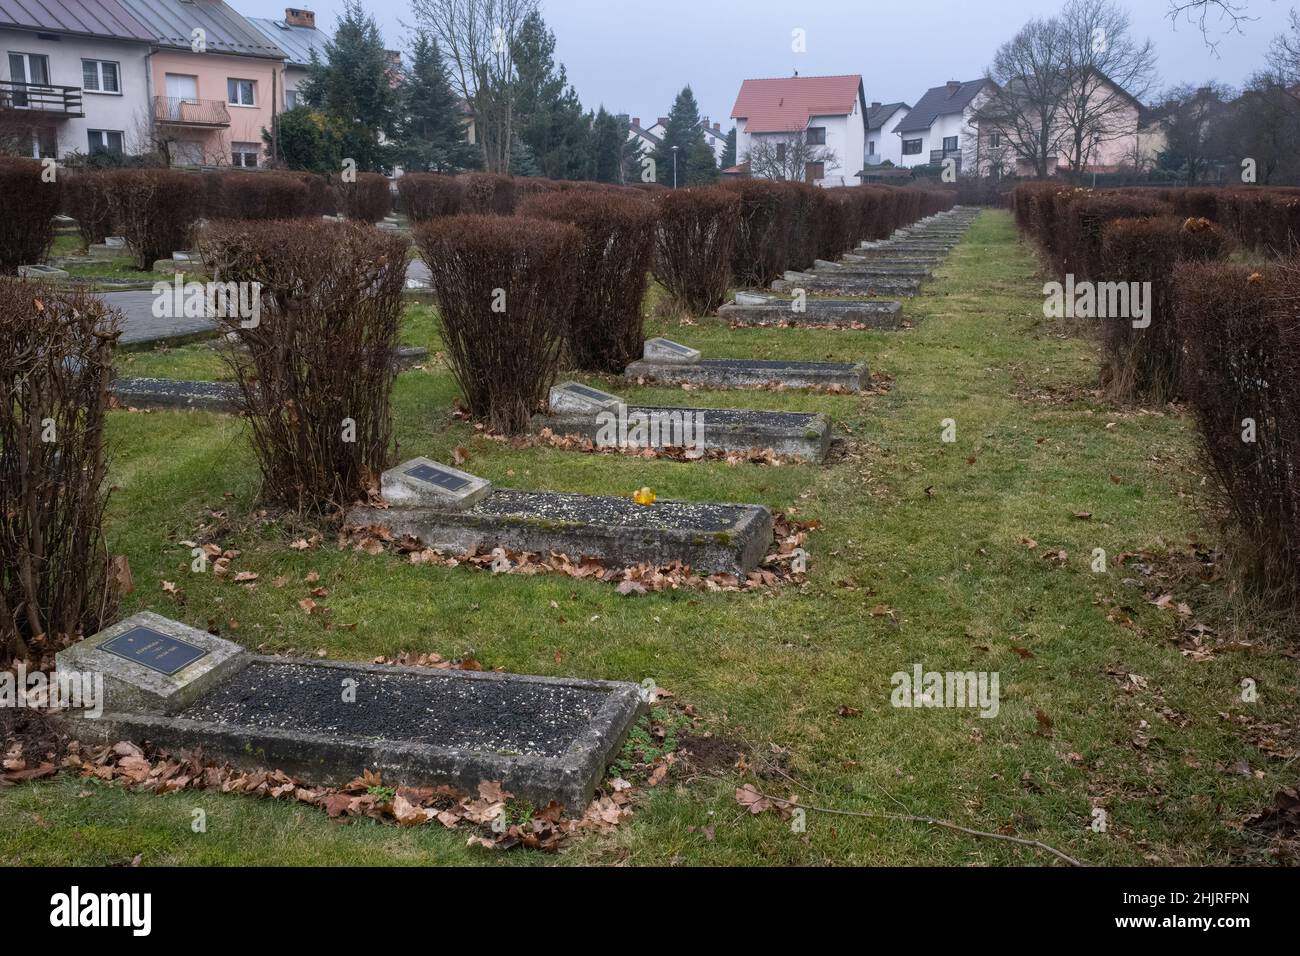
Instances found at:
x=884 y=143
x=294 y=77
x=949 y=131
x=846 y=137
x=126 y=112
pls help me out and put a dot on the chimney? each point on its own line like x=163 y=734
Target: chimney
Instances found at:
x=663 y=121
x=953 y=87
x=300 y=18
x=636 y=121
x=717 y=127
x=875 y=105
x=394 y=57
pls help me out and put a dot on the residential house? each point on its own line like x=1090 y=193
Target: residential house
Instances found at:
x=715 y=137
x=882 y=122
x=215 y=82
x=803 y=127
x=650 y=138
x=298 y=37
x=73 y=77
x=942 y=125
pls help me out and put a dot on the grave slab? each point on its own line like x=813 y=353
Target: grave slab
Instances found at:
x=871 y=284
x=574 y=398
x=153 y=665
x=751 y=298
x=42 y=272
x=796 y=434
x=423 y=482
x=710 y=538
x=542 y=738
x=737 y=373
x=826 y=313
x=668 y=352
x=885 y=267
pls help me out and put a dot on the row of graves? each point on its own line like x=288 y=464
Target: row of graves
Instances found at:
x=542 y=739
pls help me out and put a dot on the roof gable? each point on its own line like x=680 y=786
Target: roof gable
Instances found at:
x=878 y=116
x=785 y=105
x=940 y=101
x=97 y=18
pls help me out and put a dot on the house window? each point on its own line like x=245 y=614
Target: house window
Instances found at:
x=99 y=76
x=241 y=92
x=995 y=140
x=816 y=135
x=814 y=172
x=245 y=154
x=290 y=99
x=911 y=147
x=871 y=147
x=780 y=152
x=950 y=144
x=27 y=69
x=107 y=140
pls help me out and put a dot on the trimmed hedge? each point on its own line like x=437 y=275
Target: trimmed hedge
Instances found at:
x=369 y=198
x=488 y=194
x=154 y=210
x=766 y=221
x=316 y=372
x=505 y=288
x=266 y=195
x=85 y=199
x=693 y=241
x=26 y=227
x=428 y=196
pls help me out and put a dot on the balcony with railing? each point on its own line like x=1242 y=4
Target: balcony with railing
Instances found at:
x=42 y=99
x=188 y=111
x=937 y=156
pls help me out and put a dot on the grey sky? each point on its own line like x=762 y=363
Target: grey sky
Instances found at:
x=634 y=57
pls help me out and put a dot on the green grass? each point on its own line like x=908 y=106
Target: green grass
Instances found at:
x=911 y=523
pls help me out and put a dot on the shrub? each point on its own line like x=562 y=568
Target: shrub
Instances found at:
x=1242 y=336
x=488 y=194
x=1146 y=363
x=693 y=242
x=154 y=209
x=85 y=199
x=427 y=196
x=368 y=198
x=1079 y=251
x=56 y=352
x=803 y=226
x=27 y=226
x=505 y=288
x=267 y=195
x=761 y=249
x=316 y=374
x=605 y=328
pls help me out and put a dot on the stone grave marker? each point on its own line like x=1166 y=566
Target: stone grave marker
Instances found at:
x=576 y=398
x=667 y=351
x=424 y=482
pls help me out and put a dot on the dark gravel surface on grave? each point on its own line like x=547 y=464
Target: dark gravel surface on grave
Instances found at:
x=438 y=709
x=766 y=363
x=608 y=510
x=722 y=417
x=175 y=387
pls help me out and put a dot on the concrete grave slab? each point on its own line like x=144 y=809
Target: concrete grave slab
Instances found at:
x=424 y=482
x=42 y=272
x=867 y=284
x=710 y=538
x=868 y=313
x=576 y=398
x=542 y=738
x=797 y=434
x=153 y=665
x=166 y=393
x=668 y=352
x=738 y=373
x=884 y=267
x=751 y=298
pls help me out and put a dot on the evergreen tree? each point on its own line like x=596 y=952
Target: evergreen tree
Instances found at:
x=549 y=118
x=701 y=166
x=608 y=139
x=352 y=87
x=308 y=140
x=432 y=136
x=729 y=152
x=684 y=132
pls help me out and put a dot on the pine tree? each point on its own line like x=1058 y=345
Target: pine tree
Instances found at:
x=608 y=137
x=432 y=136
x=549 y=118
x=729 y=152
x=684 y=132
x=352 y=87
x=701 y=165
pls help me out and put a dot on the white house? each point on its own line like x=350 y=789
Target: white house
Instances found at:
x=942 y=125
x=715 y=137
x=882 y=122
x=647 y=139
x=74 y=76
x=825 y=116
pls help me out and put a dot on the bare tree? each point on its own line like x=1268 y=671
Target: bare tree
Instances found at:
x=1232 y=13
x=786 y=156
x=1263 y=125
x=477 y=39
x=1108 y=72
x=1029 y=72
x=1284 y=54
x=1193 y=127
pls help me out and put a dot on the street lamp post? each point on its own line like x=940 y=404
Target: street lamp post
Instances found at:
x=675 y=148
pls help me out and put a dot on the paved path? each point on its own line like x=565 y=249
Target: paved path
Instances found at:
x=140 y=325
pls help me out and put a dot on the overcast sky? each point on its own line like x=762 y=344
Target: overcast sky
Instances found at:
x=633 y=56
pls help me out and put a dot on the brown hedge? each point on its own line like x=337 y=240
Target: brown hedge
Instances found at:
x=505 y=288
x=766 y=218
x=367 y=198
x=488 y=194
x=428 y=196
x=316 y=372
x=85 y=199
x=264 y=195
x=605 y=330
x=154 y=210
x=693 y=241
x=1241 y=329
x=26 y=226
x=56 y=363
x=1085 y=217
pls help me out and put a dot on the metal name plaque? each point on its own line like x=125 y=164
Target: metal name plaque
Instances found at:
x=154 y=650
x=437 y=477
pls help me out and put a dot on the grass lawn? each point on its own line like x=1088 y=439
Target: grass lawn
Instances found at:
x=1099 y=706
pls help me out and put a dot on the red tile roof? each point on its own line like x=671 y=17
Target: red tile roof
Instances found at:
x=784 y=105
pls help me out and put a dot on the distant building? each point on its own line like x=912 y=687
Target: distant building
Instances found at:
x=298 y=37
x=812 y=116
x=882 y=143
x=942 y=125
